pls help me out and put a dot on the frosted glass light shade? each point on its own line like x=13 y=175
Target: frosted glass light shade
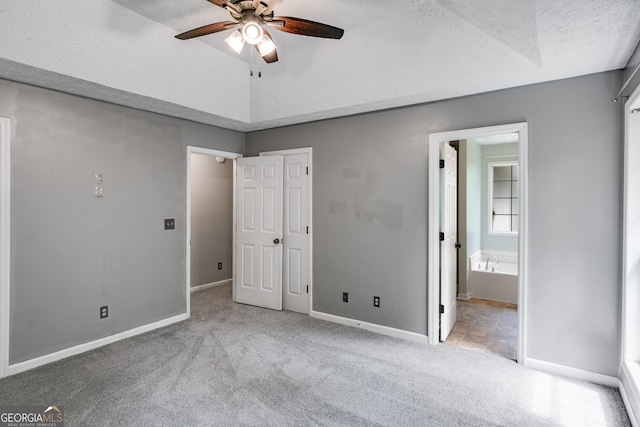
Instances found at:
x=266 y=46
x=236 y=41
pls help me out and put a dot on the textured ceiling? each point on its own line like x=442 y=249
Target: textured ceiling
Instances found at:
x=393 y=53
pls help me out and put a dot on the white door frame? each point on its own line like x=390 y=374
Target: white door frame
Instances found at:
x=5 y=243
x=433 y=257
x=309 y=152
x=629 y=354
x=214 y=153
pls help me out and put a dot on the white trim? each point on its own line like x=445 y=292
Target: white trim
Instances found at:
x=72 y=351
x=309 y=152
x=233 y=232
x=632 y=103
x=372 y=327
x=464 y=297
x=629 y=381
x=214 y=153
x=433 y=292
x=627 y=405
x=630 y=393
x=5 y=242
x=574 y=373
x=210 y=285
x=433 y=244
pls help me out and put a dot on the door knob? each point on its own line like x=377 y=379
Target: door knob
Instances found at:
x=276 y=241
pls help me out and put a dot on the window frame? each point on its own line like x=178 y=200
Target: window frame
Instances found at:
x=490 y=174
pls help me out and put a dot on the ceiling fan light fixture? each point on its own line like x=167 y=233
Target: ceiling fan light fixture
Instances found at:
x=252 y=32
x=266 y=46
x=236 y=41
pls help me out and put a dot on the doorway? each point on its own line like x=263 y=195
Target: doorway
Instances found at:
x=218 y=157
x=445 y=314
x=5 y=276
x=630 y=355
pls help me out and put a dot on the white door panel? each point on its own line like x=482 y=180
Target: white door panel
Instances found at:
x=259 y=231
x=448 y=288
x=295 y=264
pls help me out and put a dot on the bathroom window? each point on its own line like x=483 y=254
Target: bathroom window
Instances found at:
x=503 y=197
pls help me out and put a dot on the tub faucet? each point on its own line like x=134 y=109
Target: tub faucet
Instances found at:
x=486 y=267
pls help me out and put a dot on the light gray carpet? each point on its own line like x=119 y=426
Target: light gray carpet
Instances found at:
x=232 y=364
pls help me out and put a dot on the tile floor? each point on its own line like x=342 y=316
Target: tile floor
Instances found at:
x=490 y=326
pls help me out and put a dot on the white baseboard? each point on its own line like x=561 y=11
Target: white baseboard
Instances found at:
x=627 y=405
x=72 y=351
x=574 y=373
x=465 y=297
x=384 y=330
x=210 y=285
x=630 y=393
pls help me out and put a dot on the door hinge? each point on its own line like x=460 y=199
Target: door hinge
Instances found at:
x=307 y=170
x=441 y=236
x=441 y=309
x=307 y=229
x=441 y=163
x=307 y=288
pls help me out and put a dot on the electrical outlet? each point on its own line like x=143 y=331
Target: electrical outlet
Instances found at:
x=376 y=301
x=219 y=266
x=169 y=224
x=104 y=311
x=345 y=297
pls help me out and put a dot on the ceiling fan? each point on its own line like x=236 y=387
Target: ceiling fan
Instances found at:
x=250 y=18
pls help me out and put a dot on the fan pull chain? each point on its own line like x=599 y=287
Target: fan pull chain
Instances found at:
x=251 y=62
x=251 y=67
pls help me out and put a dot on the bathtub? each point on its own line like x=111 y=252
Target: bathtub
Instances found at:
x=499 y=282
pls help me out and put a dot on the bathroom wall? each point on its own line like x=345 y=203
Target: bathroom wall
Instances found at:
x=211 y=219
x=473 y=201
x=92 y=183
x=494 y=153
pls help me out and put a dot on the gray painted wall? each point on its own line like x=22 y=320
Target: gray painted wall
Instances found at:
x=370 y=211
x=492 y=241
x=211 y=219
x=72 y=252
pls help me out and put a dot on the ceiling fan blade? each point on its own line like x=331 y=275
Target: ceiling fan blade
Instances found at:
x=207 y=29
x=306 y=28
x=270 y=57
x=271 y=4
x=220 y=3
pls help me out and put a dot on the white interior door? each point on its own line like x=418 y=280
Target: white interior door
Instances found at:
x=448 y=257
x=259 y=231
x=296 y=237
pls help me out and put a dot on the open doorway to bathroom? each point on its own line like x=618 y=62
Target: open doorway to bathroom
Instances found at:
x=489 y=289
x=487 y=262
